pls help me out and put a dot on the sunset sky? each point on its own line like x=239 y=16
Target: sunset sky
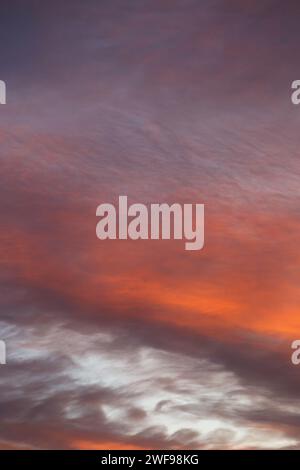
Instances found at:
x=124 y=344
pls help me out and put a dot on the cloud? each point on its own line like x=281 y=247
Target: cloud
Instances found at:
x=139 y=344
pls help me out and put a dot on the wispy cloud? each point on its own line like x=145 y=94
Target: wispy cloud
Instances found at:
x=139 y=344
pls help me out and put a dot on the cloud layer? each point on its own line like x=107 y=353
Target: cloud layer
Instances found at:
x=141 y=344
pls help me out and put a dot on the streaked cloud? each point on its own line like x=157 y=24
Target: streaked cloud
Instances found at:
x=139 y=344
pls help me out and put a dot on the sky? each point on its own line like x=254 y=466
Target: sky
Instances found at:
x=123 y=344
